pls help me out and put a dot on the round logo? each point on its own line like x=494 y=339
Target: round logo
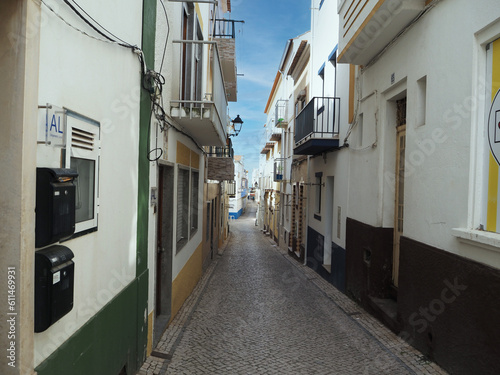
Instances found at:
x=494 y=127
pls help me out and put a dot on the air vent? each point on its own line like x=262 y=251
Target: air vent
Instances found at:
x=82 y=139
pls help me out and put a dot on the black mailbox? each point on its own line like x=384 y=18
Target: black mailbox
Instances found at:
x=55 y=205
x=54 y=281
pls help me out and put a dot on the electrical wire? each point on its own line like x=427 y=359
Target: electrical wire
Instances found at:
x=102 y=27
x=151 y=80
x=168 y=32
x=74 y=27
x=127 y=45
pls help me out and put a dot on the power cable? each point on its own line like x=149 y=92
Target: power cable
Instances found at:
x=168 y=32
x=102 y=27
x=151 y=81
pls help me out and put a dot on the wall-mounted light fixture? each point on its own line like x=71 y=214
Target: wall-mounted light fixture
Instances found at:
x=237 y=124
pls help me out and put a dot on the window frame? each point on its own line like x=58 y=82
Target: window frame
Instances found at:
x=193 y=206
x=472 y=233
x=75 y=120
x=317 y=201
x=194 y=203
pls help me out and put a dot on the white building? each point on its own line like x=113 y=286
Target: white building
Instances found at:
x=239 y=194
x=76 y=107
x=401 y=187
x=421 y=221
x=86 y=100
x=195 y=49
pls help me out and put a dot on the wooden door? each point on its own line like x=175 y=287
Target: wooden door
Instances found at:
x=399 y=199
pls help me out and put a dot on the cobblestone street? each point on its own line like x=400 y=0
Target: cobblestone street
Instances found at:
x=257 y=311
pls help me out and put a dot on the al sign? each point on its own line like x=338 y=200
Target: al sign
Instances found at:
x=55 y=125
x=494 y=127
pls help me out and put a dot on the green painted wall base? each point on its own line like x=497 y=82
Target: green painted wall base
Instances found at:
x=107 y=342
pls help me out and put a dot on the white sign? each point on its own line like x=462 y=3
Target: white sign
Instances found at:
x=56 y=278
x=55 y=126
x=494 y=127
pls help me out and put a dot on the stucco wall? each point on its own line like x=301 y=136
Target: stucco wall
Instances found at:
x=101 y=81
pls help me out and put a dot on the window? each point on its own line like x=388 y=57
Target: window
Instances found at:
x=187 y=205
x=317 y=209
x=301 y=102
x=333 y=59
x=192 y=55
x=182 y=207
x=208 y=222
x=194 y=202
x=82 y=154
x=421 y=101
x=321 y=74
x=85 y=182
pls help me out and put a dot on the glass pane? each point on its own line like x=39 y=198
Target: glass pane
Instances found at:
x=194 y=202
x=182 y=207
x=85 y=182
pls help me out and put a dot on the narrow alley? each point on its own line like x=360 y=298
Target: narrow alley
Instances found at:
x=258 y=311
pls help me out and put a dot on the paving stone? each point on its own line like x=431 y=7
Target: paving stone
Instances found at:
x=258 y=311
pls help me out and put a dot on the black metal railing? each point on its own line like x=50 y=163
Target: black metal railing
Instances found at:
x=220 y=152
x=319 y=119
x=224 y=28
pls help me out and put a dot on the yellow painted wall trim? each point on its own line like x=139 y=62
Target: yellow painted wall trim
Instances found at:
x=493 y=172
x=361 y=28
x=491 y=219
x=186 y=280
x=195 y=160
x=200 y=17
x=355 y=18
x=352 y=78
x=277 y=79
x=150 y=334
x=183 y=154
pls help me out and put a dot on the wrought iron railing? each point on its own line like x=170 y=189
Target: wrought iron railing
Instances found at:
x=220 y=152
x=319 y=119
x=279 y=169
x=224 y=28
x=281 y=113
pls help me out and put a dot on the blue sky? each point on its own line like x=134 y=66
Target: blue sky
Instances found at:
x=260 y=42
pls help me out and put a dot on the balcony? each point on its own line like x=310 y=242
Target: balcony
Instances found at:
x=279 y=169
x=204 y=116
x=281 y=114
x=367 y=27
x=224 y=35
x=317 y=127
x=231 y=188
x=268 y=147
x=273 y=133
x=220 y=163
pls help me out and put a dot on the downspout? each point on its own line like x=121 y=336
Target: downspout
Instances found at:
x=307 y=208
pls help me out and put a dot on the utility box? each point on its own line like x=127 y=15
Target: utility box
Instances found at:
x=55 y=205
x=54 y=282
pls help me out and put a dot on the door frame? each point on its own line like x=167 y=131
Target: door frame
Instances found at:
x=164 y=250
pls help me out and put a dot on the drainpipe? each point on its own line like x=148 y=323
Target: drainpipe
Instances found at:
x=307 y=207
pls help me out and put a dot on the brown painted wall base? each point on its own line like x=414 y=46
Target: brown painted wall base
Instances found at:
x=450 y=308
x=368 y=262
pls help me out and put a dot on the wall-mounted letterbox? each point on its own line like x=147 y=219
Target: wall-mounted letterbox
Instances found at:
x=54 y=281
x=55 y=205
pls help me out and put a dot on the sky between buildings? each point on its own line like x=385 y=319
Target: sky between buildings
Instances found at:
x=260 y=42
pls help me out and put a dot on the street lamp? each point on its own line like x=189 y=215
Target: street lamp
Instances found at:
x=237 y=124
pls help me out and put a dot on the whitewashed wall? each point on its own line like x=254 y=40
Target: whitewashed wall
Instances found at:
x=445 y=47
x=101 y=81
